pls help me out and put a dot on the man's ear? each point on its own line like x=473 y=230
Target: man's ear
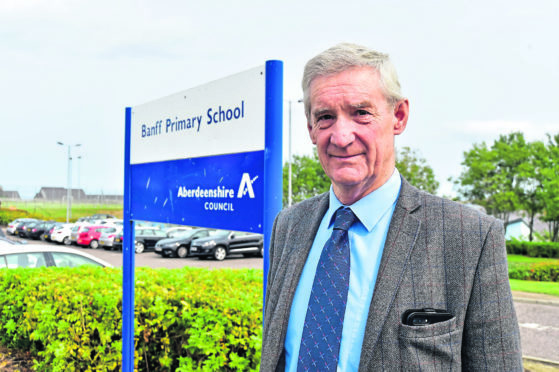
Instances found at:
x=312 y=133
x=401 y=113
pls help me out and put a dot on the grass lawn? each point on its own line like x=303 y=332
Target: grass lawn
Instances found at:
x=54 y=211
x=548 y=288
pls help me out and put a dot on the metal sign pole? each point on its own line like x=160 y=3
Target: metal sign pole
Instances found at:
x=273 y=178
x=128 y=263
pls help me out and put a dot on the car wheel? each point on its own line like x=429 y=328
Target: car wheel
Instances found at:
x=94 y=244
x=182 y=251
x=66 y=240
x=220 y=253
x=139 y=247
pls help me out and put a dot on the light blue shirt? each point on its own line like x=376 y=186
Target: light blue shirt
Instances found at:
x=366 y=240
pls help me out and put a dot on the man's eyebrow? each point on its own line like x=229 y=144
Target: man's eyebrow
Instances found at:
x=364 y=104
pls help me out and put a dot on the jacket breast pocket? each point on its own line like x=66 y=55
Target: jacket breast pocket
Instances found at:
x=433 y=347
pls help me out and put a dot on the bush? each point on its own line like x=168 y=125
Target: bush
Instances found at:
x=8 y=215
x=541 y=272
x=533 y=249
x=185 y=319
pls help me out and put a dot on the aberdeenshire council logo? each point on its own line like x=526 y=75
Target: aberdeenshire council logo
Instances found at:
x=245 y=189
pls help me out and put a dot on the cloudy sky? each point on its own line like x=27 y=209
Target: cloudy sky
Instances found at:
x=471 y=69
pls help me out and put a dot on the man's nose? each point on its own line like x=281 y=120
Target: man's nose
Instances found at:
x=342 y=132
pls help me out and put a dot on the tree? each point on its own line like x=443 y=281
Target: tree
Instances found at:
x=415 y=170
x=531 y=182
x=494 y=177
x=308 y=178
x=550 y=186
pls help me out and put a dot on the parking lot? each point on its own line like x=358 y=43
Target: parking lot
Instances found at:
x=153 y=260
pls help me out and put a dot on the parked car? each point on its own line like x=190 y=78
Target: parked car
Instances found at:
x=179 y=245
x=102 y=216
x=173 y=232
x=225 y=243
x=89 y=236
x=61 y=234
x=12 y=226
x=146 y=238
x=114 y=222
x=31 y=230
x=36 y=231
x=14 y=255
x=108 y=235
x=22 y=228
x=77 y=229
x=117 y=242
x=49 y=228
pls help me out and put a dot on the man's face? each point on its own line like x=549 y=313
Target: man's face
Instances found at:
x=353 y=128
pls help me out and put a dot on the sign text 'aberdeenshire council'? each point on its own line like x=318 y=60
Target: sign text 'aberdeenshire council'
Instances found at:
x=220 y=192
x=218 y=115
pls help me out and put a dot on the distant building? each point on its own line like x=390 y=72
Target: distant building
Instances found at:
x=59 y=193
x=519 y=228
x=4 y=194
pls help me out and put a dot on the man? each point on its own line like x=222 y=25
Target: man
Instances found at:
x=428 y=286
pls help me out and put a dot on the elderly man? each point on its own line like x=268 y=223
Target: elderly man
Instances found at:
x=376 y=274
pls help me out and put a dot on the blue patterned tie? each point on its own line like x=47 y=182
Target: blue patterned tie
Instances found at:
x=322 y=332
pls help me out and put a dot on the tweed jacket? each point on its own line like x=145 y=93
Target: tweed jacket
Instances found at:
x=438 y=254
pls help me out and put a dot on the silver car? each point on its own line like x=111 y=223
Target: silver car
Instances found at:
x=107 y=237
x=14 y=254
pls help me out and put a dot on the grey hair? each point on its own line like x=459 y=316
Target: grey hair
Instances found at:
x=344 y=56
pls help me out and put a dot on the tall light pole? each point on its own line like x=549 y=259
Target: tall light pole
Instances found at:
x=69 y=189
x=79 y=168
x=289 y=187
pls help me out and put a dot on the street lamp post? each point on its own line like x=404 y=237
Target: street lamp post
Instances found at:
x=69 y=188
x=79 y=168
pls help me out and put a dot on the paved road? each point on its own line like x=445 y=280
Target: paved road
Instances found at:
x=539 y=330
x=151 y=259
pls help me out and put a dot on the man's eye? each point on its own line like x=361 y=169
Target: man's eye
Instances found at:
x=324 y=117
x=362 y=112
x=324 y=121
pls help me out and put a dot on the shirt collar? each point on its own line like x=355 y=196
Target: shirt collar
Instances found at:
x=372 y=206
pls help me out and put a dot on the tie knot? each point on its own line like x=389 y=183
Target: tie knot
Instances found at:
x=344 y=218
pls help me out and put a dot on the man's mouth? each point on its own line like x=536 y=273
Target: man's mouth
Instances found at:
x=342 y=157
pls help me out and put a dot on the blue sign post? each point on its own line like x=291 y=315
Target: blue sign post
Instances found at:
x=210 y=156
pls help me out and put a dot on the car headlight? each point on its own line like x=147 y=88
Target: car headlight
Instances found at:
x=171 y=245
x=211 y=243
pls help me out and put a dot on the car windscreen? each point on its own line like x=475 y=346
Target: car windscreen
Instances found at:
x=64 y=259
x=221 y=234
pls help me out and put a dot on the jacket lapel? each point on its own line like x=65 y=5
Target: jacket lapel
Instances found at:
x=400 y=240
x=303 y=233
x=301 y=236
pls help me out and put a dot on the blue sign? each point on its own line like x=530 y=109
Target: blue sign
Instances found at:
x=223 y=192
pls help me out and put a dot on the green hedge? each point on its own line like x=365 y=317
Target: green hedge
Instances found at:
x=8 y=215
x=533 y=249
x=541 y=272
x=185 y=319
